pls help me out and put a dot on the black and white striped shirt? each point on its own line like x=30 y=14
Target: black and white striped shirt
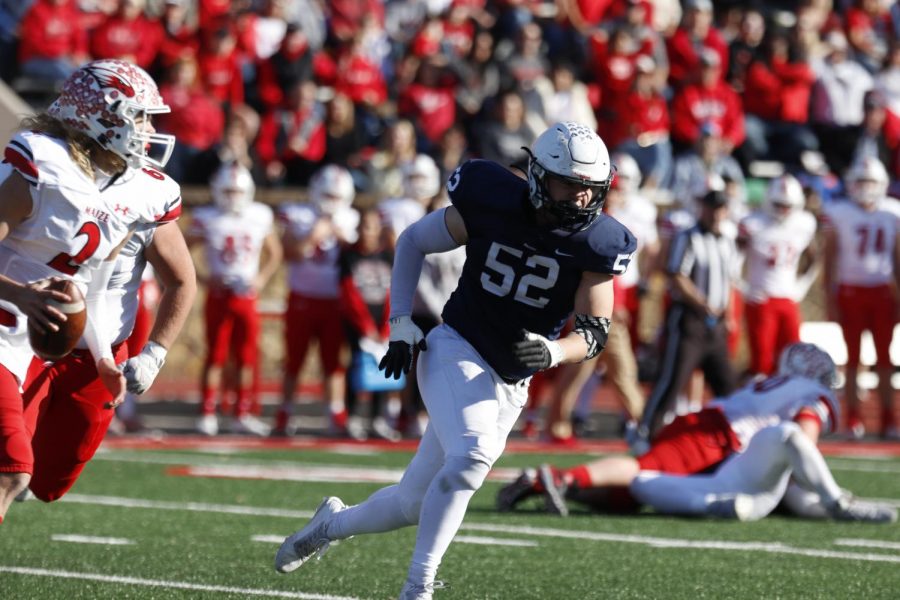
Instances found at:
x=708 y=260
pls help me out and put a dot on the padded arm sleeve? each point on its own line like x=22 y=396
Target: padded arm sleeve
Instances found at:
x=428 y=235
x=96 y=335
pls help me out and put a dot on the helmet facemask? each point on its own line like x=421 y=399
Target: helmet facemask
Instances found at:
x=565 y=215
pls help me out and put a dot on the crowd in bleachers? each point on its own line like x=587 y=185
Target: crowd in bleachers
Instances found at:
x=701 y=95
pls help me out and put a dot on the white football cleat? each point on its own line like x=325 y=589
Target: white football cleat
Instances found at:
x=418 y=591
x=208 y=425
x=739 y=506
x=312 y=539
x=848 y=508
x=250 y=425
x=24 y=495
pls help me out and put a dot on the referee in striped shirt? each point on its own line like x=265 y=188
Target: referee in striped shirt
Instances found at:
x=702 y=265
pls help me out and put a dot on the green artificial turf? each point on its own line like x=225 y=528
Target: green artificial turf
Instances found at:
x=180 y=553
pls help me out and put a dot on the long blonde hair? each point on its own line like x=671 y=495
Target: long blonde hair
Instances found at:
x=83 y=150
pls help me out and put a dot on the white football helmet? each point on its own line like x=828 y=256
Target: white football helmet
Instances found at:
x=575 y=153
x=784 y=191
x=628 y=173
x=331 y=189
x=421 y=178
x=112 y=101
x=867 y=181
x=232 y=187
x=810 y=361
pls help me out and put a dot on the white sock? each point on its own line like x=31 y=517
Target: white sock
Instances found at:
x=382 y=511
x=810 y=469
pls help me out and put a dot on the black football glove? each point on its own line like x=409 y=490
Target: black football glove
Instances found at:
x=536 y=352
x=399 y=356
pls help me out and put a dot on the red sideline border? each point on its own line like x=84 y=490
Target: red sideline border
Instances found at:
x=863 y=449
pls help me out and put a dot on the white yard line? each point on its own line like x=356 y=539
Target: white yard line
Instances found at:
x=492 y=541
x=863 y=466
x=267 y=539
x=90 y=539
x=176 y=585
x=867 y=543
x=657 y=542
x=231 y=509
x=241 y=468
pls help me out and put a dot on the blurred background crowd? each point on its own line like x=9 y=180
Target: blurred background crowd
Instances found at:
x=349 y=114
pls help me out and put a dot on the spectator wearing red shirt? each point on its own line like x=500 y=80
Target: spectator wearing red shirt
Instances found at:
x=196 y=120
x=429 y=102
x=776 y=102
x=291 y=140
x=51 y=45
x=710 y=100
x=348 y=16
x=614 y=71
x=868 y=31
x=129 y=35
x=179 y=36
x=220 y=64
x=359 y=77
x=644 y=126
x=695 y=33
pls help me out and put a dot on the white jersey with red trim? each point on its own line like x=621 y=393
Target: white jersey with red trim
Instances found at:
x=72 y=228
x=233 y=242
x=151 y=195
x=771 y=401
x=316 y=275
x=773 y=248
x=865 y=243
x=638 y=214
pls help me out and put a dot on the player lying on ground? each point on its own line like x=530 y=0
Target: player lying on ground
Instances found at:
x=754 y=440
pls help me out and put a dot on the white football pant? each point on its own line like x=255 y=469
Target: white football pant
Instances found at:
x=761 y=472
x=471 y=412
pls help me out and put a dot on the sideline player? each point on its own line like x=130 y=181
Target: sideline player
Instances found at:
x=787 y=411
x=536 y=251
x=242 y=253
x=775 y=240
x=862 y=276
x=313 y=235
x=55 y=223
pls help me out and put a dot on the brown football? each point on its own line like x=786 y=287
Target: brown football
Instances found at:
x=54 y=345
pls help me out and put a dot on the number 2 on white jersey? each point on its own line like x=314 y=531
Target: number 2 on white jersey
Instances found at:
x=68 y=264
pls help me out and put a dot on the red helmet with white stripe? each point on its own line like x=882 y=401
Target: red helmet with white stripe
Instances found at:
x=112 y=101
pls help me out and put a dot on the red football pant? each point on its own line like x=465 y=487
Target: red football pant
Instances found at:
x=143 y=324
x=232 y=324
x=307 y=318
x=871 y=308
x=771 y=326
x=15 y=439
x=691 y=444
x=70 y=421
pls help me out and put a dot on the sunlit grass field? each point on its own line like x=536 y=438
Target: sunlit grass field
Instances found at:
x=179 y=524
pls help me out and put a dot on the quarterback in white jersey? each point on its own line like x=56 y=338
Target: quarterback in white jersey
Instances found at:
x=774 y=240
x=74 y=415
x=56 y=223
x=313 y=234
x=862 y=275
x=242 y=252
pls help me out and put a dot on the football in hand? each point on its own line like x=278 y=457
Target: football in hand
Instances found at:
x=54 y=345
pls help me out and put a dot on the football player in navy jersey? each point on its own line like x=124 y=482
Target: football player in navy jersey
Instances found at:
x=536 y=252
